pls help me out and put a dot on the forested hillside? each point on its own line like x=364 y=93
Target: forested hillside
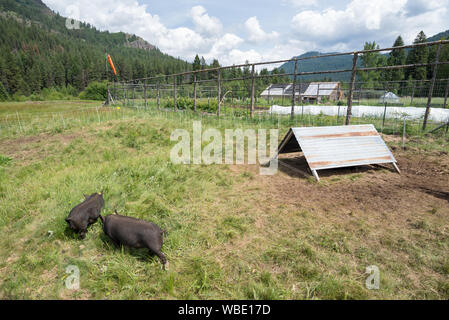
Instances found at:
x=38 y=51
x=419 y=55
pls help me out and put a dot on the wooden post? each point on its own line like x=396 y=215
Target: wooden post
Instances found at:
x=413 y=92
x=194 y=92
x=292 y=113
x=445 y=94
x=432 y=84
x=124 y=98
x=108 y=100
x=115 y=91
x=360 y=93
x=252 y=91
x=145 y=93
x=174 y=92
x=157 y=98
x=134 y=99
x=351 y=89
x=218 y=92
x=127 y=96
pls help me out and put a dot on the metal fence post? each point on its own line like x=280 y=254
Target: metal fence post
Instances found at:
x=194 y=92
x=317 y=93
x=252 y=91
x=218 y=92
x=351 y=89
x=432 y=84
x=174 y=92
x=445 y=94
x=292 y=113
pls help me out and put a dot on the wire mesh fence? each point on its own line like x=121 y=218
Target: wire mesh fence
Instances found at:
x=248 y=89
x=249 y=93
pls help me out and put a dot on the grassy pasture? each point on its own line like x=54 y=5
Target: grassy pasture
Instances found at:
x=231 y=232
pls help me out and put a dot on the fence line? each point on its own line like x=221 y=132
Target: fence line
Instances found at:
x=192 y=78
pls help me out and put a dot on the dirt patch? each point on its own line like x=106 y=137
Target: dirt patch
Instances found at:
x=27 y=149
x=377 y=193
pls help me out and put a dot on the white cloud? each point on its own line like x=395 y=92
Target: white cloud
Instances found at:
x=256 y=34
x=367 y=20
x=204 y=23
x=301 y=3
x=338 y=28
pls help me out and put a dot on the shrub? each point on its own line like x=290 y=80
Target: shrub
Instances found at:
x=4 y=96
x=19 y=97
x=95 y=91
x=187 y=104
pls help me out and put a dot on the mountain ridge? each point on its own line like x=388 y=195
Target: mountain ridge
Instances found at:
x=334 y=63
x=38 y=52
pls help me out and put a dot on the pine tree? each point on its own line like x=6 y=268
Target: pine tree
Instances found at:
x=396 y=58
x=371 y=60
x=418 y=55
x=203 y=67
x=196 y=63
x=4 y=96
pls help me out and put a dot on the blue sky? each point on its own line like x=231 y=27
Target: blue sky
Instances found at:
x=234 y=31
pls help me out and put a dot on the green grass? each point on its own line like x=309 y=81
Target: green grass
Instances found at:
x=39 y=107
x=217 y=246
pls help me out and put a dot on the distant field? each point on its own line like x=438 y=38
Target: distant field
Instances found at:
x=232 y=233
x=39 y=107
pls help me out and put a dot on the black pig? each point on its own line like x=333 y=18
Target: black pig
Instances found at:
x=135 y=233
x=86 y=213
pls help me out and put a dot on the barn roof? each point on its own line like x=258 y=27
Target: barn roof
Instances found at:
x=326 y=88
x=275 y=89
x=283 y=89
x=303 y=88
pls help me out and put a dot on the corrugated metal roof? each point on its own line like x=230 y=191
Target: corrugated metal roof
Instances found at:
x=338 y=146
x=275 y=89
x=284 y=89
x=326 y=88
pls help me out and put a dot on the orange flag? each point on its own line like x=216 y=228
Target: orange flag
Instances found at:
x=112 y=65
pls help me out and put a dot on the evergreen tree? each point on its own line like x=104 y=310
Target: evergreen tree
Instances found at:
x=196 y=63
x=418 y=55
x=397 y=57
x=4 y=96
x=203 y=67
x=370 y=60
x=214 y=74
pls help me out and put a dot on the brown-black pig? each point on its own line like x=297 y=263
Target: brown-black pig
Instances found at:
x=136 y=233
x=86 y=213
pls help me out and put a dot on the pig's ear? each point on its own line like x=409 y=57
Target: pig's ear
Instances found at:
x=115 y=211
x=86 y=196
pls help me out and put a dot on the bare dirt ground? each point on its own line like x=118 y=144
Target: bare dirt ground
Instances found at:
x=422 y=185
x=399 y=220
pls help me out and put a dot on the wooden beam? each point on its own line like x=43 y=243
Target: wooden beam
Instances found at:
x=351 y=89
x=432 y=84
